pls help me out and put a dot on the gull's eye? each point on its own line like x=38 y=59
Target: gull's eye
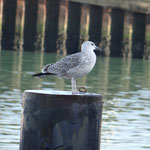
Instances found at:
x=92 y=44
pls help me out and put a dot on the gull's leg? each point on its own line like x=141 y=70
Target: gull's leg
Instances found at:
x=72 y=85
x=75 y=87
x=73 y=81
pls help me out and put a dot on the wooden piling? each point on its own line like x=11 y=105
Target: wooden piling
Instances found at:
x=51 y=27
x=8 y=24
x=138 y=35
x=30 y=24
x=117 y=25
x=19 y=25
x=59 y=120
x=73 y=30
x=95 y=25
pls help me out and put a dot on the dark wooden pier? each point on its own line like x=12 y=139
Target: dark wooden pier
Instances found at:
x=95 y=24
x=8 y=24
x=138 y=36
x=73 y=30
x=30 y=25
x=117 y=22
x=51 y=27
x=139 y=12
x=59 y=120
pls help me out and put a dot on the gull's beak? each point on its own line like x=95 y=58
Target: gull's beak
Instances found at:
x=98 y=48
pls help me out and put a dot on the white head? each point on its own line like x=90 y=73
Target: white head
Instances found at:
x=89 y=46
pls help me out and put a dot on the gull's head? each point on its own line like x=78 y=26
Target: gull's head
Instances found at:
x=89 y=46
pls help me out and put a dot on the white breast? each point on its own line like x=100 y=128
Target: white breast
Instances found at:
x=84 y=67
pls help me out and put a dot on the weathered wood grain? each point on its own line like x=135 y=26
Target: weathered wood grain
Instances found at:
x=61 y=121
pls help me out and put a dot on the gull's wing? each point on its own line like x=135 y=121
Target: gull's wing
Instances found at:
x=65 y=64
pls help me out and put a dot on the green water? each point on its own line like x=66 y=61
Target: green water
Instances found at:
x=124 y=84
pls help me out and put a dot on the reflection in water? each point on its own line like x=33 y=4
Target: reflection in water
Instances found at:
x=124 y=84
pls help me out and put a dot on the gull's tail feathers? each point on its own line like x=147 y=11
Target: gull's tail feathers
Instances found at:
x=41 y=75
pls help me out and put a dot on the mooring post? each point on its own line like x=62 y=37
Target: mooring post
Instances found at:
x=58 y=120
x=117 y=26
x=73 y=29
x=8 y=24
x=138 y=35
x=95 y=26
x=30 y=24
x=51 y=26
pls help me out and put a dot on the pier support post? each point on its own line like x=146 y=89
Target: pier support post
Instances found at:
x=30 y=24
x=138 y=35
x=51 y=27
x=60 y=120
x=95 y=26
x=73 y=30
x=117 y=26
x=8 y=24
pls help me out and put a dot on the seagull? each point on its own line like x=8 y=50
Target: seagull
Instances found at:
x=73 y=66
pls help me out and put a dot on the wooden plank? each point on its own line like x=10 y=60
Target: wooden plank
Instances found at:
x=131 y=5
